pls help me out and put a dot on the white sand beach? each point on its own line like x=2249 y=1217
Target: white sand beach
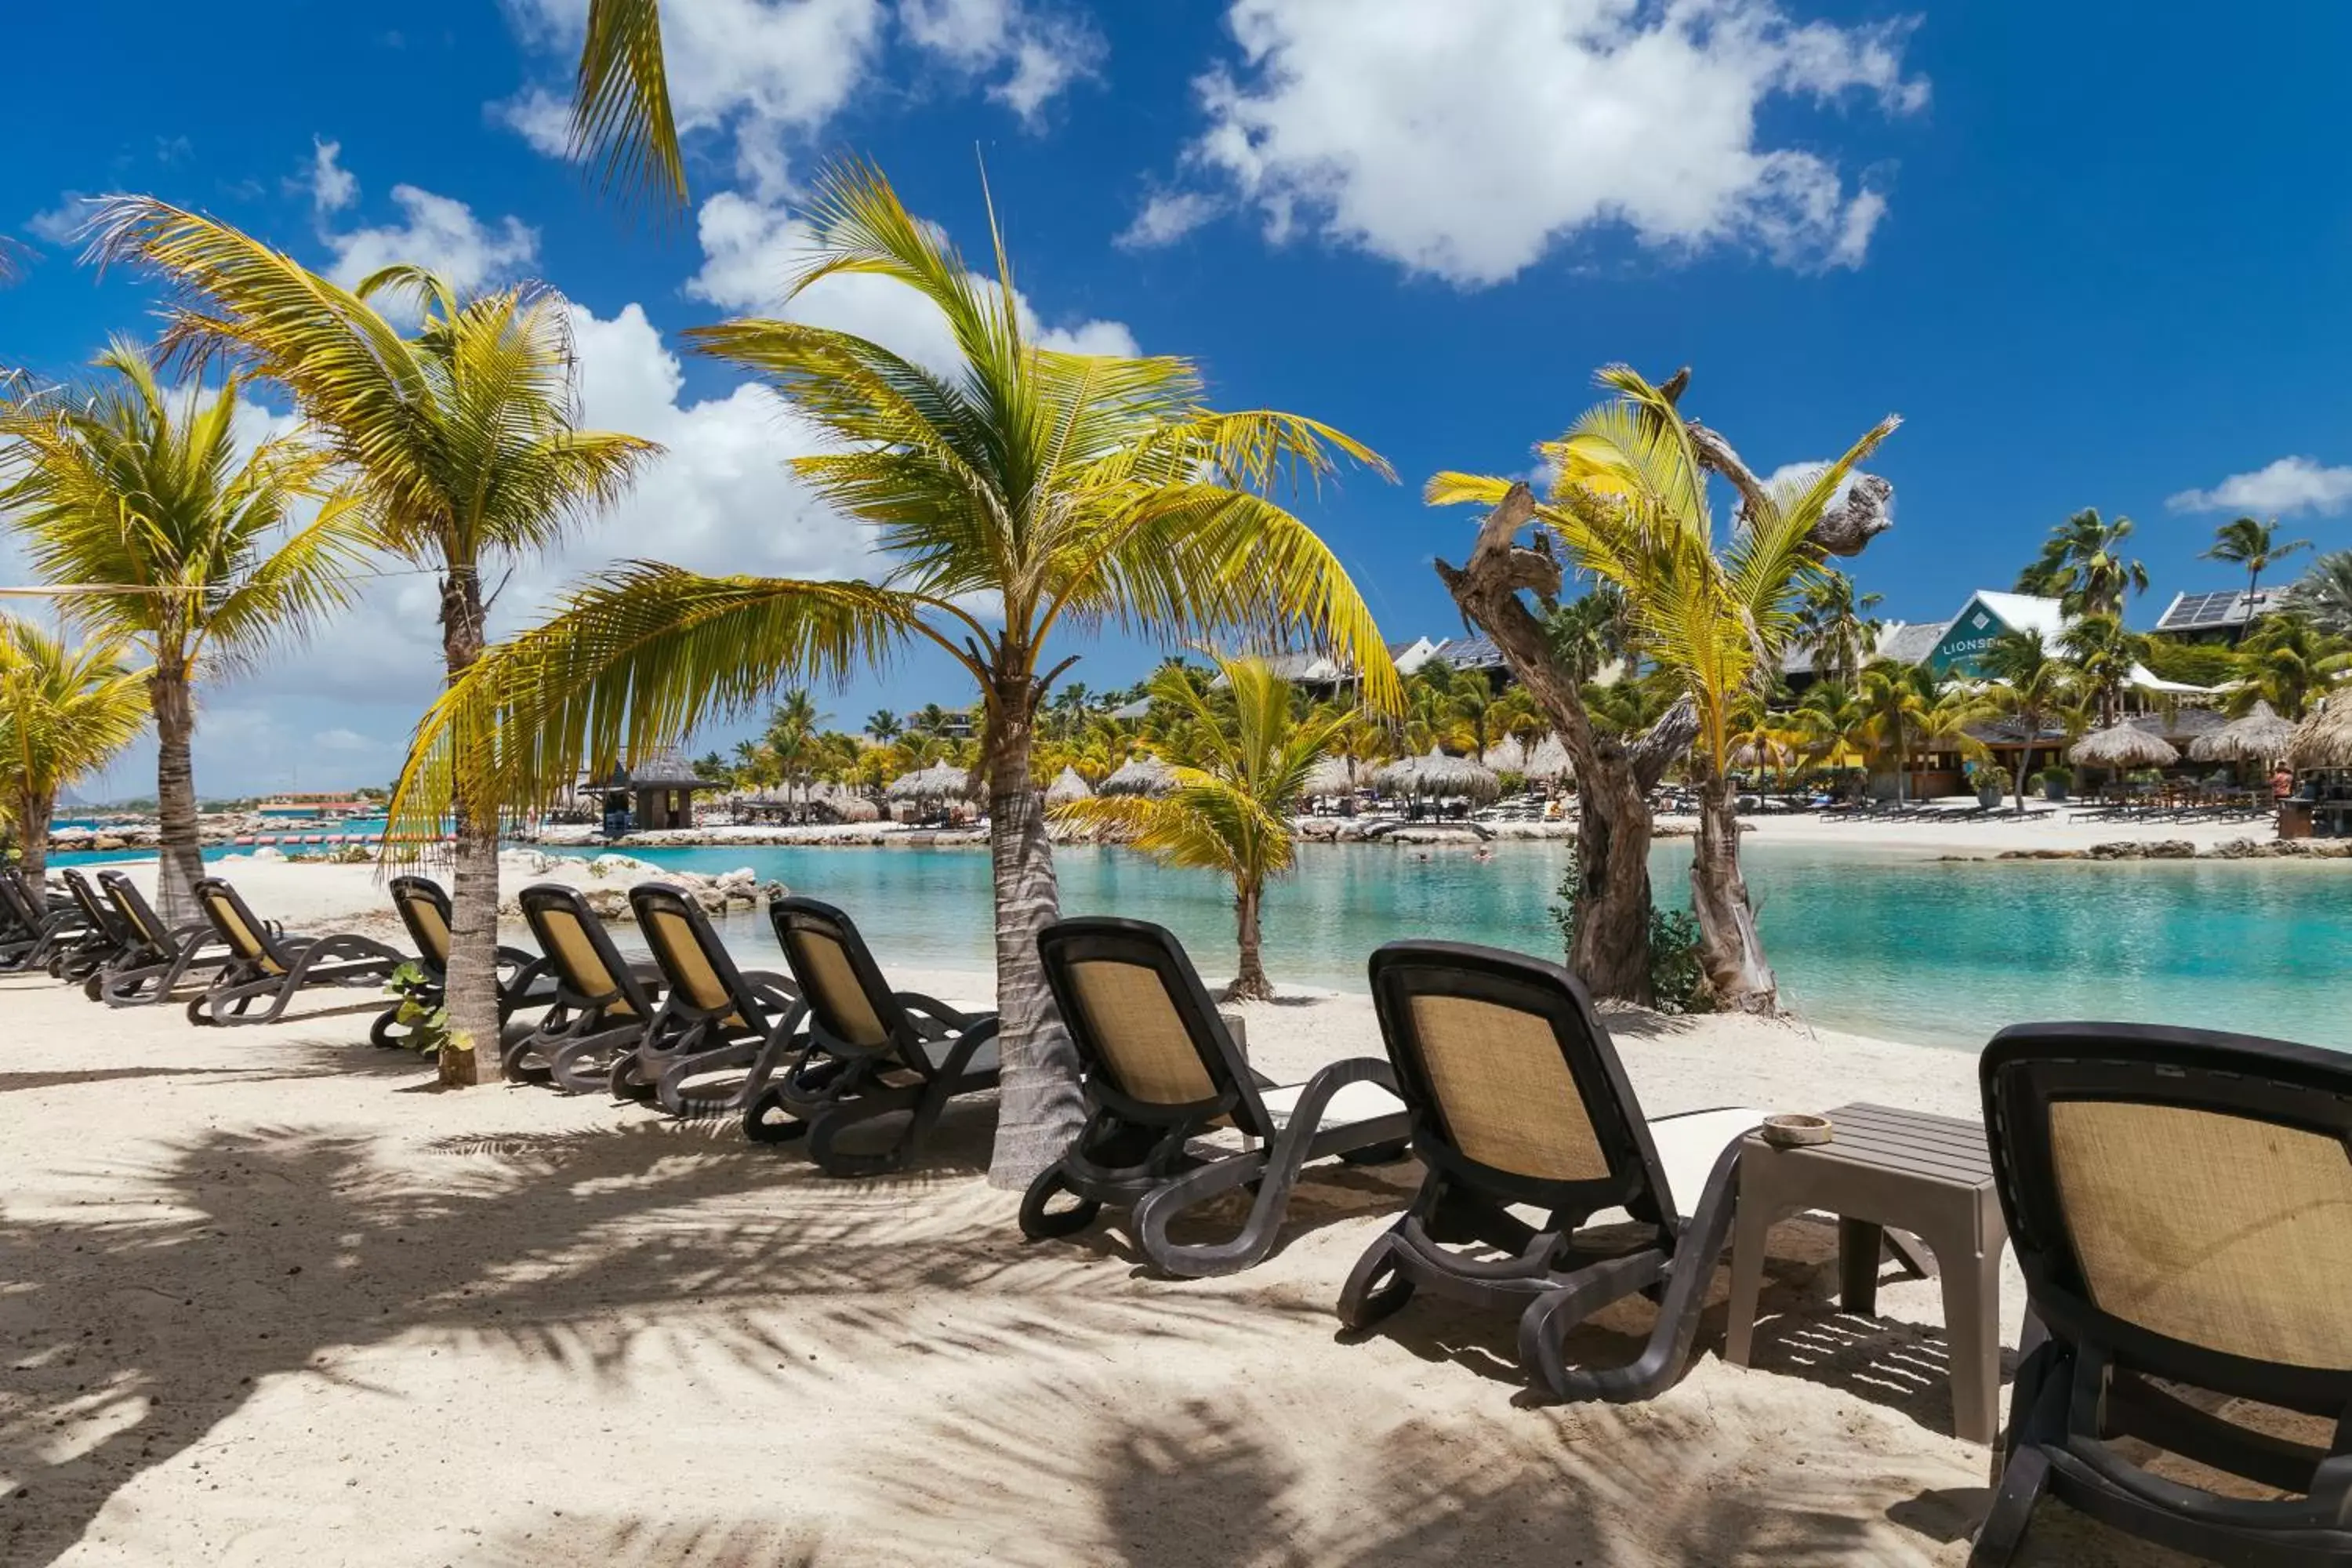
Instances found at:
x=271 y=1296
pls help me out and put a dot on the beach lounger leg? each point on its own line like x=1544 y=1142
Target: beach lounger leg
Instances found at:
x=1376 y=1287
x=1040 y=1223
x=2037 y=1411
x=926 y=1104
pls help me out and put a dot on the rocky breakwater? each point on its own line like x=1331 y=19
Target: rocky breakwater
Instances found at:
x=2183 y=849
x=605 y=882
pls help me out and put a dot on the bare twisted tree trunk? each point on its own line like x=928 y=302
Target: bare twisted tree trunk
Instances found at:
x=1737 y=970
x=472 y=1054
x=180 y=856
x=1040 y=1108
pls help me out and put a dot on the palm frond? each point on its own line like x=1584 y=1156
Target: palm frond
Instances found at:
x=621 y=116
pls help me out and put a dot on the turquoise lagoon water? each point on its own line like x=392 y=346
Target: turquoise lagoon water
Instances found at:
x=1897 y=946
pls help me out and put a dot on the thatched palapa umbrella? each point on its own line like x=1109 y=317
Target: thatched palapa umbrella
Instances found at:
x=940 y=781
x=2325 y=739
x=1550 y=760
x=1505 y=756
x=1332 y=775
x=2121 y=746
x=2261 y=736
x=1067 y=787
x=1142 y=773
x=1442 y=777
x=1768 y=754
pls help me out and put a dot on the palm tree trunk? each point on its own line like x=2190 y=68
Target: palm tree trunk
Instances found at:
x=1039 y=1109
x=1729 y=947
x=473 y=998
x=180 y=853
x=33 y=809
x=2025 y=760
x=1250 y=981
x=2253 y=577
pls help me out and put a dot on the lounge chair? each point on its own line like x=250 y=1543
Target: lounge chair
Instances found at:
x=1517 y=1098
x=102 y=939
x=160 y=956
x=2181 y=1207
x=603 y=1004
x=37 y=927
x=271 y=968
x=865 y=1051
x=523 y=981
x=1162 y=1071
x=716 y=1017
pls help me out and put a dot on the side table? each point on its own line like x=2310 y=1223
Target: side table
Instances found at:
x=1887 y=1169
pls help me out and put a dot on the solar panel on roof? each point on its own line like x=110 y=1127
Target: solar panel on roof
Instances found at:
x=2196 y=610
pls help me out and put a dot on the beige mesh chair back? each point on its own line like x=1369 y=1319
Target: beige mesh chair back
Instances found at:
x=704 y=984
x=424 y=910
x=244 y=934
x=2181 y=1202
x=848 y=998
x=1147 y=1033
x=593 y=974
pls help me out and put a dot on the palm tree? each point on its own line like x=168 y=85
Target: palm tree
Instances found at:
x=883 y=725
x=2255 y=546
x=2288 y=662
x=1898 y=698
x=2083 y=567
x=1833 y=721
x=1632 y=506
x=1073 y=491
x=2324 y=593
x=2036 y=688
x=2103 y=654
x=1239 y=782
x=931 y=718
x=161 y=535
x=462 y=442
x=63 y=713
x=621 y=114
x=1836 y=624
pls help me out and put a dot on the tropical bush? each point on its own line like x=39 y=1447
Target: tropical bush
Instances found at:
x=1677 y=971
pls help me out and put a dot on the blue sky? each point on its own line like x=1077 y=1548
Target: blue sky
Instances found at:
x=2093 y=256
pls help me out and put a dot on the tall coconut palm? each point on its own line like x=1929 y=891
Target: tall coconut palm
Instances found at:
x=2324 y=593
x=2102 y=652
x=1898 y=698
x=2036 y=687
x=1836 y=624
x=2288 y=664
x=1239 y=781
x=63 y=713
x=883 y=725
x=621 y=117
x=1833 y=721
x=165 y=534
x=2253 y=545
x=2083 y=565
x=463 y=449
x=1631 y=505
x=1070 y=492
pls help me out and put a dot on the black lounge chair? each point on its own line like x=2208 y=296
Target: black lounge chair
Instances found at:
x=103 y=937
x=1517 y=1098
x=603 y=1004
x=2181 y=1202
x=715 y=1018
x=38 y=927
x=1161 y=1072
x=423 y=907
x=867 y=1051
x=159 y=957
x=270 y=968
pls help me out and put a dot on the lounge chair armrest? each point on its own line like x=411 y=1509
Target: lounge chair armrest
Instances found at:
x=2331 y=1488
x=517 y=957
x=933 y=1009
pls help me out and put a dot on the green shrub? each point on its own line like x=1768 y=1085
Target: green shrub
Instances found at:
x=2198 y=664
x=428 y=1027
x=1677 y=978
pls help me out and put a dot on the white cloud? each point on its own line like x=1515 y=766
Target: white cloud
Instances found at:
x=749 y=250
x=1168 y=217
x=1465 y=140
x=2286 y=485
x=767 y=75
x=61 y=225
x=440 y=233
x=332 y=187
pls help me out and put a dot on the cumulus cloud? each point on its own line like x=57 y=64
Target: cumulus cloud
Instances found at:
x=1167 y=216
x=749 y=249
x=437 y=232
x=2287 y=486
x=1464 y=141
x=60 y=224
x=332 y=187
x=766 y=75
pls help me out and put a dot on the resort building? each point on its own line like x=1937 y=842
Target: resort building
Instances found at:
x=2216 y=617
x=657 y=792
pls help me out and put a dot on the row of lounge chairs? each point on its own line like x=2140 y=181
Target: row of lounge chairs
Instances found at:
x=2179 y=1201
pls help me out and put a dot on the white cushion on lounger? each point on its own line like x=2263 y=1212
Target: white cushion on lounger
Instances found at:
x=1687 y=1147
x=1358 y=1101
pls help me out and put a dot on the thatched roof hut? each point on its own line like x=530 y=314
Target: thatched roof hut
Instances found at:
x=2325 y=739
x=2123 y=745
x=1142 y=773
x=1067 y=787
x=1441 y=776
x=940 y=781
x=2261 y=736
x=1768 y=754
x=1332 y=775
x=1550 y=760
x=1508 y=755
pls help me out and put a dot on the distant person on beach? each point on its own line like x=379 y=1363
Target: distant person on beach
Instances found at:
x=2282 y=783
